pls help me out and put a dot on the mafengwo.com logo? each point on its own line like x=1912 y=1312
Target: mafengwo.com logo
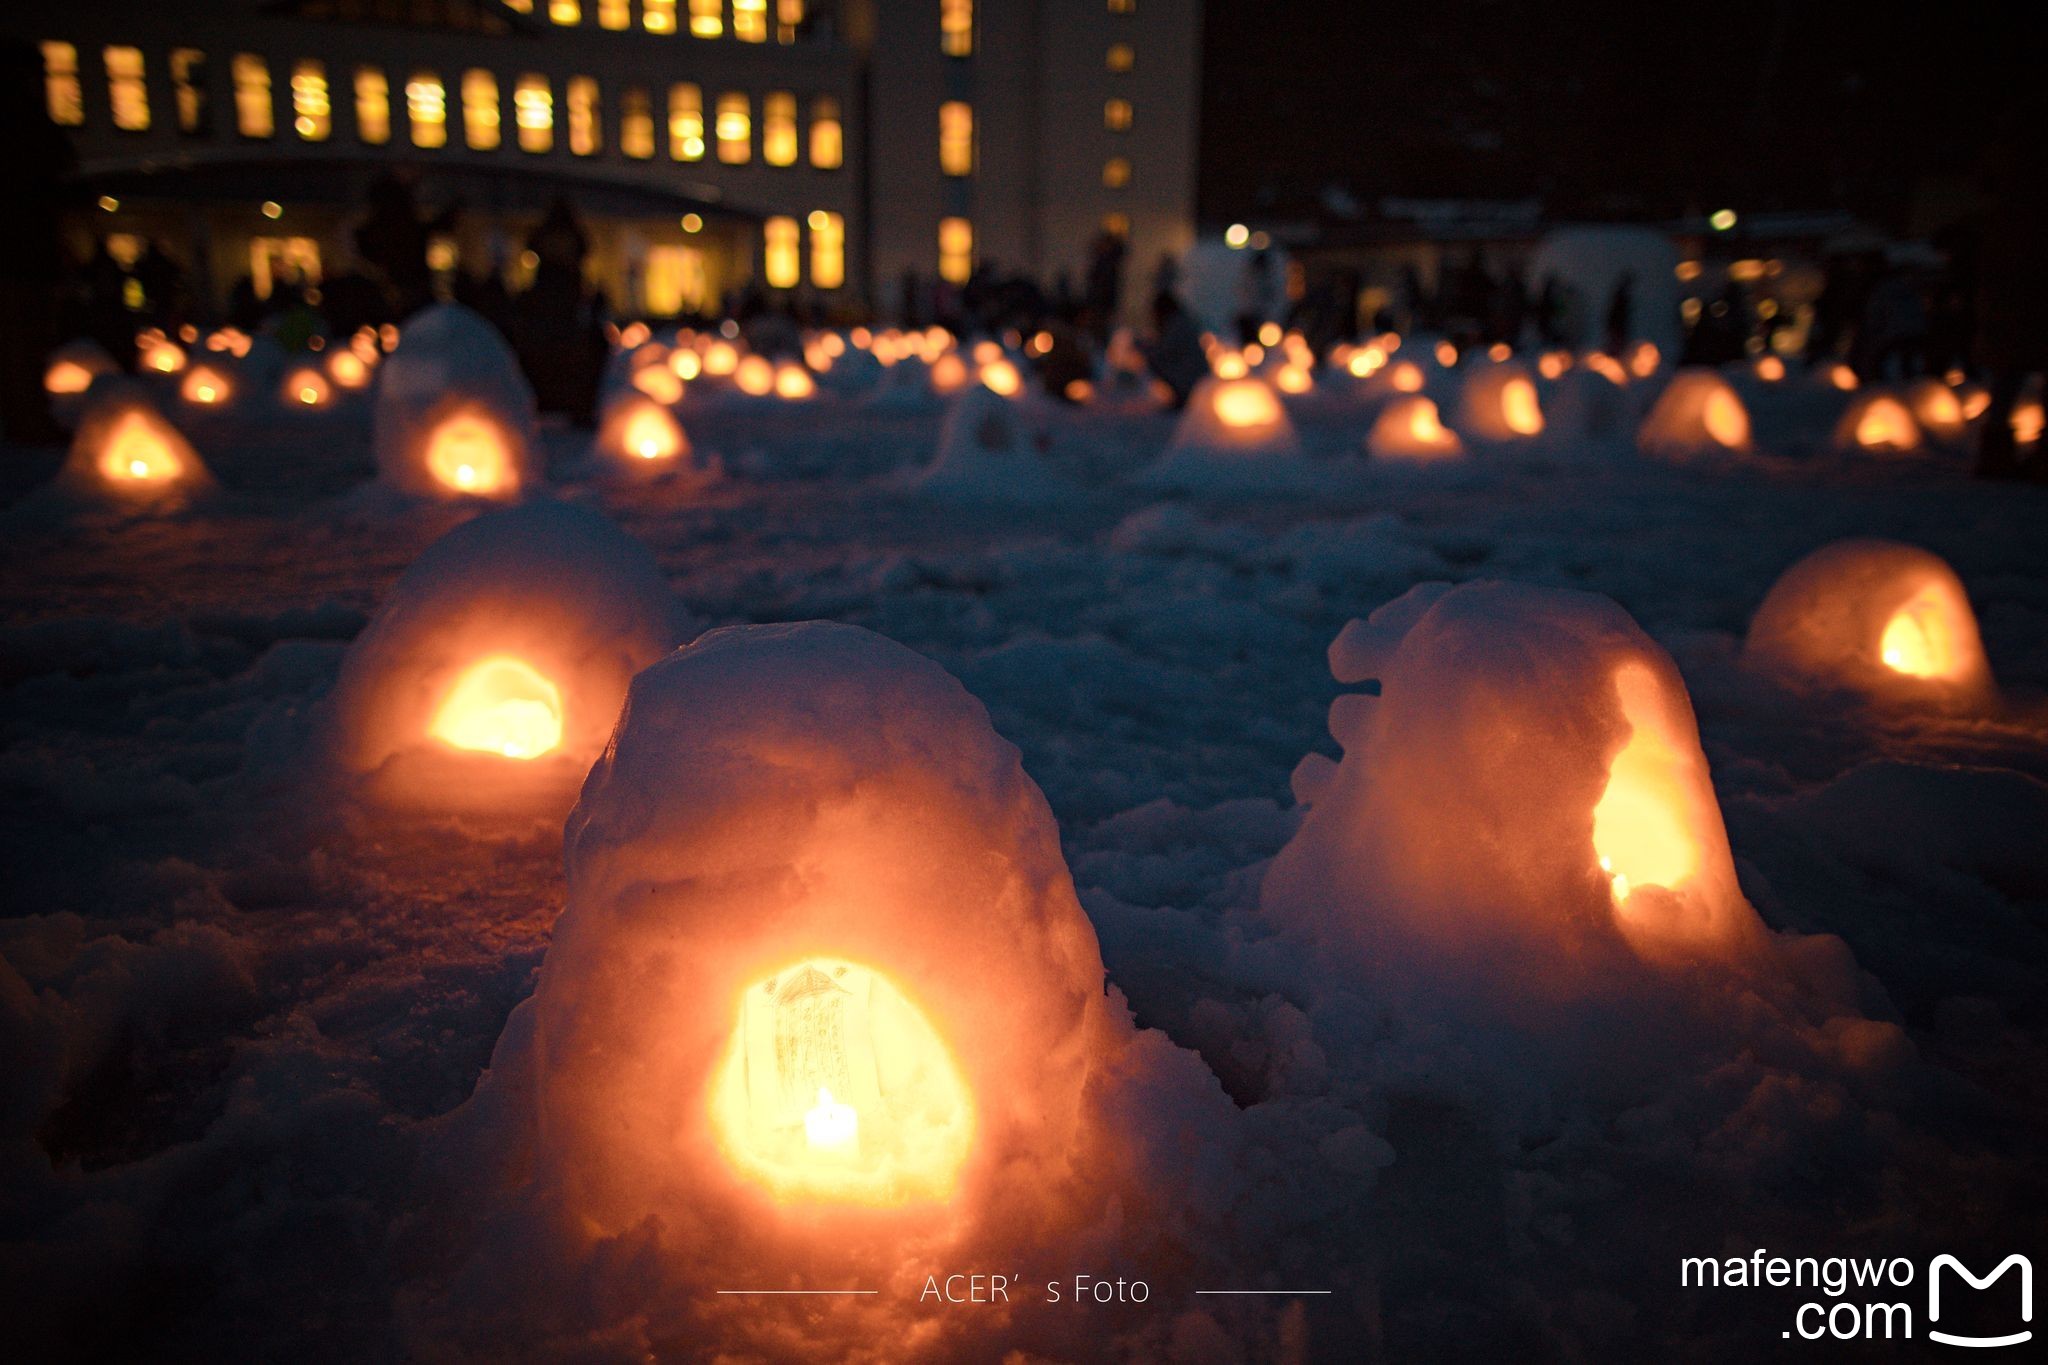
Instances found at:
x=1873 y=1299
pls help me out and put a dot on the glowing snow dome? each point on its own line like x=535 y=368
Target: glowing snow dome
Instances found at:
x=823 y=1004
x=453 y=415
x=989 y=453
x=1888 y=620
x=127 y=455
x=493 y=674
x=1500 y=402
x=1522 y=810
x=1698 y=413
x=1233 y=434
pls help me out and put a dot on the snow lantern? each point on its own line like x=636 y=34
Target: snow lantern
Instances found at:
x=721 y=359
x=1877 y=617
x=453 y=416
x=949 y=373
x=1840 y=377
x=1409 y=429
x=1937 y=408
x=492 y=676
x=640 y=438
x=1767 y=369
x=1403 y=376
x=124 y=449
x=206 y=387
x=658 y=382
x=74 y=366
x=793 y=382
x=1697 y=413
x=159 y=355
x=1878 y=424
x=754 y=376
x=986 y=453
x=304 y=387
x=823 y=1009
x=349 y=369
x=1499 y=403
x=1524 y=797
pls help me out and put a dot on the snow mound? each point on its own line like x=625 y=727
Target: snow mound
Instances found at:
x=988 y=453
x=126 y=454
x=639 y=440
x=1698 y=413
x=492 y=676
x=1499 y=402
x=1410 y=429
x=1234 y=434
x=453 y=415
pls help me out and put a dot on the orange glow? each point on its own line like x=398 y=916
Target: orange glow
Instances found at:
x=793 y=381
x=949 y=373
x=137 y=453
x=467 y=453
x=1918 y=641
x=1725 y=419
x=1885 y=424
x=1519 y=408
x=650 y=433
x=1640 y=834
x=1974 y=401
x=503 y=706
x=1446 y=354
x=835 y=1087
x=1365 y=360
x=1229 y=365
x=1607 y=367
x=659 y=383
x=307 y=388
x=1246 y=403
x=1079 y=390
x=205 y=386
x=1406 y=377
x=1936 y=405
x=1769 y=368
x=1842 y=377
x=2027 y=422
x=754 y=376
x=348 y=369
x=721 y=358
x=1644 y=360
x=1499 y=352
x=686 y=364
x=1553 y=364
x=1000 y=376
x=632 y=335
x=164 y=357
x=1292 y=379
x=987 y=352
x=1424 y=424
x=66 y=377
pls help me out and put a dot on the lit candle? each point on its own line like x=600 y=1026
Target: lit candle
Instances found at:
x=830 y=1126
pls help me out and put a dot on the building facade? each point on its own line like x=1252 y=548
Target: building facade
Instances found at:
x=820 y=150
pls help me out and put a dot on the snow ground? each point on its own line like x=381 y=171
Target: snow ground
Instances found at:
x=230 y=1005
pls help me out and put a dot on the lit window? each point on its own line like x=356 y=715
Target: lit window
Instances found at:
x=480 y=115
x=750 y=20
x=567 y=13
x=778 y=128
x=706 y=18
x=533 y=112
x=254 y=116
x=1116 y=172
x=828 y=249
x=126 y=90
x=1116 y=115
x=685 y=123
x=1120 y=57
x=373 y=105
x=188 y=88
x=312 y=112
x=426 y=109
x=956 y=250
x=616 y=15
x=828 y=143
x=1117 y=224
x=62 y=93
x=789 y=17
x=521 y=6
x=956 y=27
x=735 y=131
x=636 y=125
x=1123 y=6
x=956 y=137
x=658 y=16
x=779 y=254
x=586 y=126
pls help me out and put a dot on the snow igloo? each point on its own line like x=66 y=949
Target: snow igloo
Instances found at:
x=1409 y=428
x=1498 y=402
x=491 y=678
x=1522 y=816
x=639 y=438
x=1877 y=423
x=1873 y=616
x=453 y=416
x=74 y=368
x=1698 y=413
x=1234 y=433
x=127 y=453
x=823 y=1012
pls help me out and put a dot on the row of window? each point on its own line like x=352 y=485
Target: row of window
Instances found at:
x=750 y=20
x=480 y=109
x=782 y=253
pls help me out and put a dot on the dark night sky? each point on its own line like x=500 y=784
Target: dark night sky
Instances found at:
x=1604 y=109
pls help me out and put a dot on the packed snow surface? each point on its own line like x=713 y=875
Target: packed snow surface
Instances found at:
x=249 y=1109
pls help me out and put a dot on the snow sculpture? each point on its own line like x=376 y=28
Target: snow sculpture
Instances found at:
x=492 y=676
x=1409 y=429
x=453 y=416
x=1698 y=413
x=1521 y=811
x=987 y=453
x=1873 y=616
x=1499 y=403
x=126 y=452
